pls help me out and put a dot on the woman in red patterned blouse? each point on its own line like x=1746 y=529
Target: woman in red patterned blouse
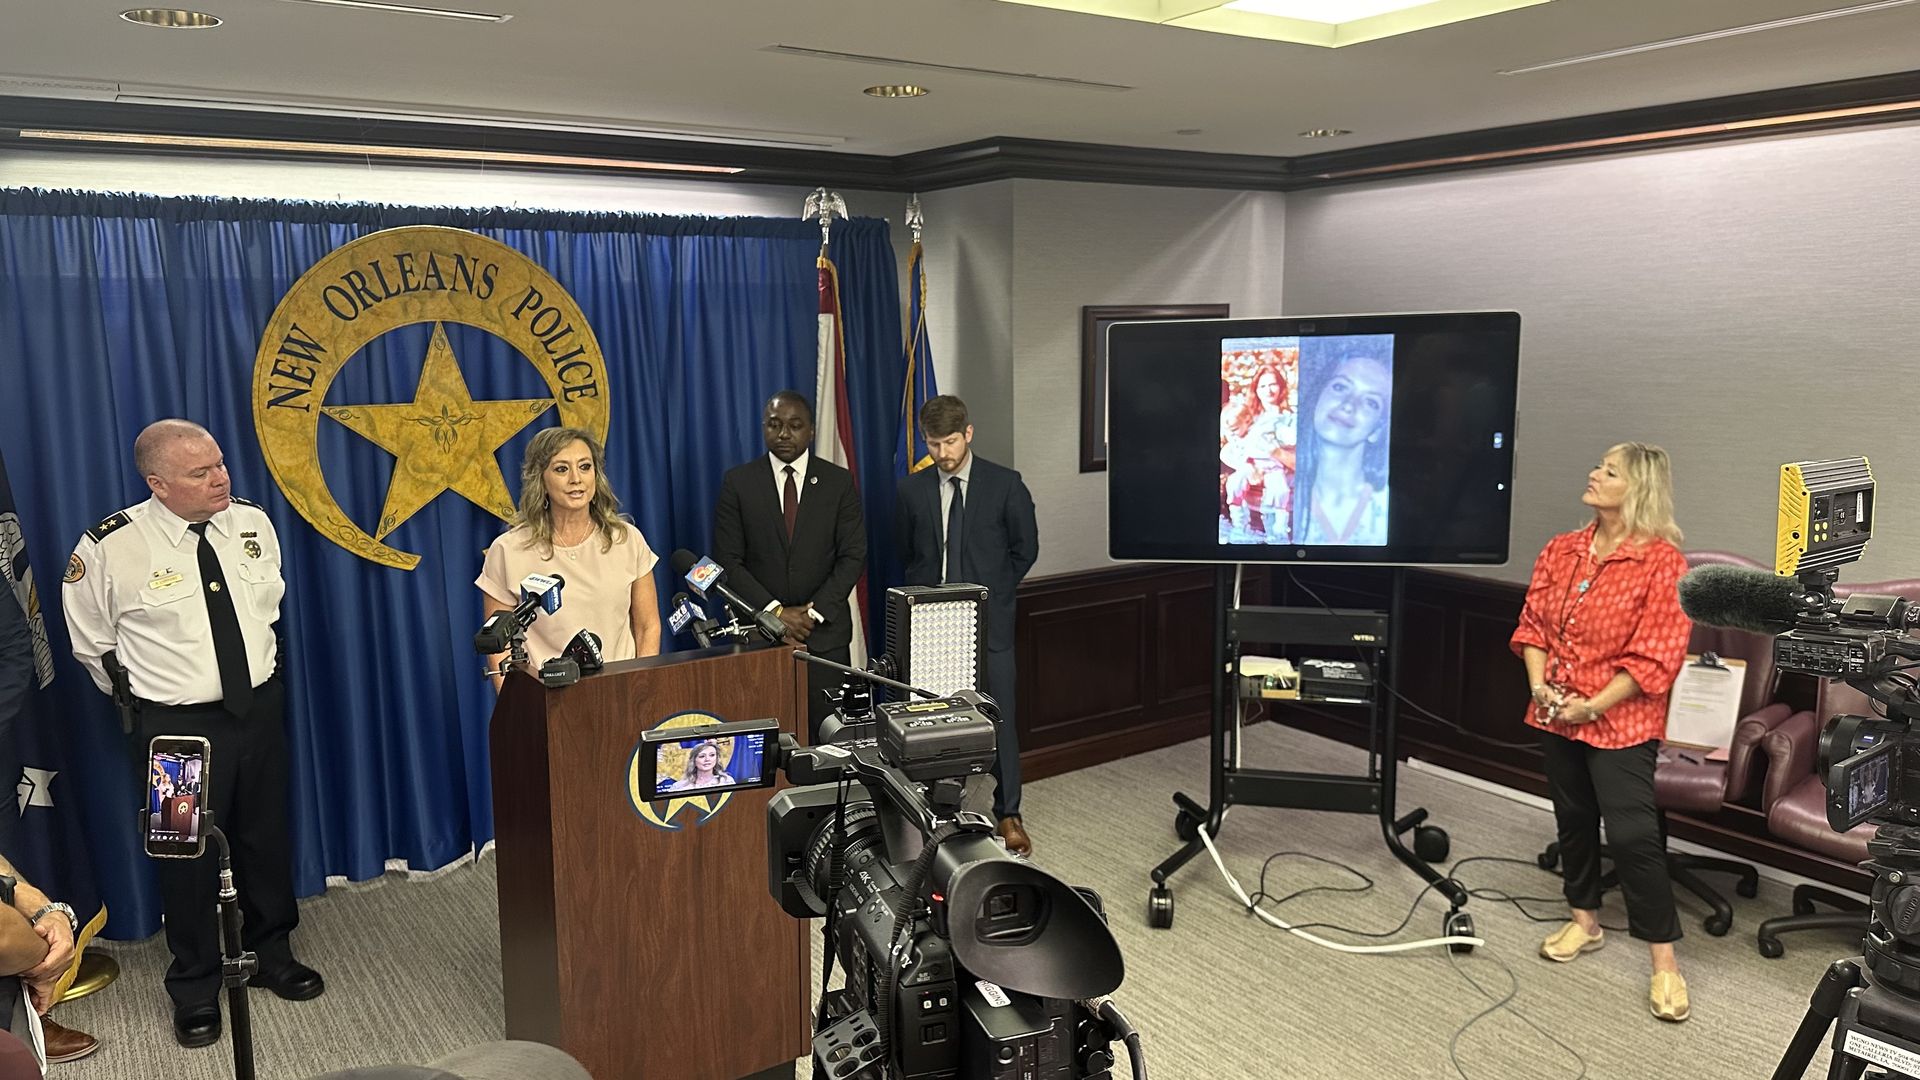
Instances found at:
x=1603 y=638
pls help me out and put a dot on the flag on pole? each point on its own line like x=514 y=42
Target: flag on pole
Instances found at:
x=50 y=847
x=833 y=420
x=910 y=454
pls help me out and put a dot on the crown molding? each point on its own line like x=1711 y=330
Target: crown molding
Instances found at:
x=1882 y=99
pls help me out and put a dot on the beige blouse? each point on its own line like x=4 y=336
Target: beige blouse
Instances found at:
x=597 y=596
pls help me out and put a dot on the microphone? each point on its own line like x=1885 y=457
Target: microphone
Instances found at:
x=1742 y=598
x=538 y=593
x=709 y=579
x=688 y=615
x=543 y=588
x=584 y=650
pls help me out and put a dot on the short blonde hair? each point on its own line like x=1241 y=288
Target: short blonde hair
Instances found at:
x=1648 y=508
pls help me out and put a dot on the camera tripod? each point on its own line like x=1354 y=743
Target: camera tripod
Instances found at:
x=1872 y=1002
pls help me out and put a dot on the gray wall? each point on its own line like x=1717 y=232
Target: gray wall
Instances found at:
x=1742 y=305
x=1100 y=244
x=969 y=243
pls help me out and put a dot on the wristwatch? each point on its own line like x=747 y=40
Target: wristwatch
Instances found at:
x=73 y=921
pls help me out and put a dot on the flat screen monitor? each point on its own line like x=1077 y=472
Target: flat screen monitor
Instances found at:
x=1381 y=439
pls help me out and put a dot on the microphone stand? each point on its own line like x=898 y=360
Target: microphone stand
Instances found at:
x=848 y=669
x=236 y=964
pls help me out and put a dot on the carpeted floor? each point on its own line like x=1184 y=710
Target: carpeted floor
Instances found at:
x=413 y=966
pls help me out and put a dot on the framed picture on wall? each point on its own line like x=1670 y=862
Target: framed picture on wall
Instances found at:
x=1093 y=366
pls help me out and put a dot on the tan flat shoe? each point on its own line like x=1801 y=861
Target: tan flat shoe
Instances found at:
x=1669 y=997
x=1568 y=942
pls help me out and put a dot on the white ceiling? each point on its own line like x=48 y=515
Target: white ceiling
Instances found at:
x=704 y=64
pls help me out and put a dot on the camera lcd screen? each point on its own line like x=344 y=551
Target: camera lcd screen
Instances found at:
x=1869 y=785
x=1861 y=786
x=1352 y=439
x=176 y=794
x=691 y=762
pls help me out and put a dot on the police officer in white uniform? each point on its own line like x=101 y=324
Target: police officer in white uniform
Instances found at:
x=184 y=590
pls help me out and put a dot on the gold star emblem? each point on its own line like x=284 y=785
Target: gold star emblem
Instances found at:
x=442 y=439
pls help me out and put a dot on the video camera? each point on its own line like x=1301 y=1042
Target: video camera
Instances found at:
x=1870 y=764
x=961 y=962
x=1826 y=521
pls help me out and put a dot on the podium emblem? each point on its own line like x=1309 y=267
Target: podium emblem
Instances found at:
x=673 y=814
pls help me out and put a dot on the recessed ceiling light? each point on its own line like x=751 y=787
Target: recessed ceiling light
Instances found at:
x=1324 y=133
x=903 y=90
x=409 y=9
x=171 y=18
x=1326 y=23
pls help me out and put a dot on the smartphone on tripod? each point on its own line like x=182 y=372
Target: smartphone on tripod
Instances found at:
x=178 y=771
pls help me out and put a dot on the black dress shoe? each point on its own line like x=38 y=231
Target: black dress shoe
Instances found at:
x=197 y=1024
x=295 y=982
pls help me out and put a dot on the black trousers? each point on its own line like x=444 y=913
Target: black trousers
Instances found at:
x=247 y=792
x=1588 y=785
x=1000 y=684
x=822 y=684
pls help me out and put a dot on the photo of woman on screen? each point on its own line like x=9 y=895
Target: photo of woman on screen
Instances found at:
x=703 y=768
x=1341 y=476
x=1257 y=435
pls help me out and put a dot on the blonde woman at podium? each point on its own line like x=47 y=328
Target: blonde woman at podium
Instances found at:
x=569 y=523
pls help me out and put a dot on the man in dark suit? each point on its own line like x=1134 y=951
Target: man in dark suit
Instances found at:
x=789 y=531
x=971 y=520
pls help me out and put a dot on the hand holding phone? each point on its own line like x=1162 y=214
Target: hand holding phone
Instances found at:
x=177 y=775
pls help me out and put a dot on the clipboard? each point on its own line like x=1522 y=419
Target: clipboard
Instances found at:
x=1704 y=704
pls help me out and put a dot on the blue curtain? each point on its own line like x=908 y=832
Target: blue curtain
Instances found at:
x=118 y=310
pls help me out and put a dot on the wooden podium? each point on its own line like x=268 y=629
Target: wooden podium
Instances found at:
x=644 y=951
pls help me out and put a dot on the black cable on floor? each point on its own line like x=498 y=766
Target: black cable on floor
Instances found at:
x=1503 y=1002
x=1499 y=1002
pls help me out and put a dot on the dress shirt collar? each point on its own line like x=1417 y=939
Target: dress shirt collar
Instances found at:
x=1630 y=549
x=799 y=470
x=175 y=528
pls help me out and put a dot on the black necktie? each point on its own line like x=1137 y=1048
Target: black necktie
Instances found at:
x=790 y=502
x=229 y=647
x=956 y=513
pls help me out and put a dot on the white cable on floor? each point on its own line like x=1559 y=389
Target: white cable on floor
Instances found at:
x=1336 y=946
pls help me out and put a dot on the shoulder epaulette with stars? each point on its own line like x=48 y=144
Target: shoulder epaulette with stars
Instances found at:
x=99 y=532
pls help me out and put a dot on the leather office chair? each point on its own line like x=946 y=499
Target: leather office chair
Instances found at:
x=1796 y=800
x=1685 y=782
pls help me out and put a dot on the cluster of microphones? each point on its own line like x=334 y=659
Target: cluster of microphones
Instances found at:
x=708 y=580
x=506 y=631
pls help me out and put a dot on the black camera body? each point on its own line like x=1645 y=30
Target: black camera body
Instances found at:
x=1870 y=764
x=960 y=961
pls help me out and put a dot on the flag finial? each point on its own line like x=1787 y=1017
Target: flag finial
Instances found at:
x=915 y=219
x=825 y=205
